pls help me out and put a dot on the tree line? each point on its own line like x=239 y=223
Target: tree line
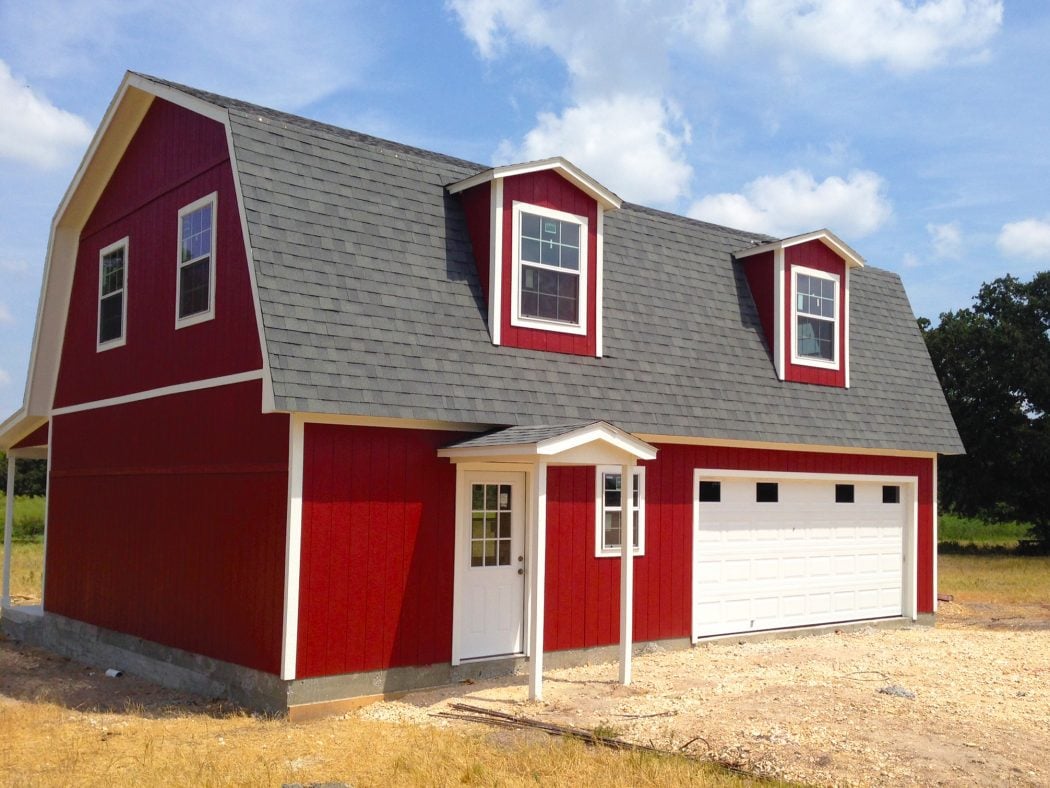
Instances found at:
x=30 y=480
x=993 y=361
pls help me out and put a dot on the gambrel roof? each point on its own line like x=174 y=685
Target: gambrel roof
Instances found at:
x=371 y=305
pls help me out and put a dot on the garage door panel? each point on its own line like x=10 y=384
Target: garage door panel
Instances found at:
x=801 y=561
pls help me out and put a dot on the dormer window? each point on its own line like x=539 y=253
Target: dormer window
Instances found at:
x=815 y=316
x=548 y=279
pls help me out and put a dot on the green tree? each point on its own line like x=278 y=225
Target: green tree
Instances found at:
x=993 y=361
x=31 y=478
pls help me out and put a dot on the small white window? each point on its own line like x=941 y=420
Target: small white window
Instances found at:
x=195 y=285
x=112 y=295
x=815 y=318
x=549 y=273
x=609 y=510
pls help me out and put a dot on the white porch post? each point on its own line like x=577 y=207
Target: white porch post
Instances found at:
x=626 y=571
x=9 y=524
x=537 y=570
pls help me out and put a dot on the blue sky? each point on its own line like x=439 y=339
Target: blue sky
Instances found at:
x=917 y=131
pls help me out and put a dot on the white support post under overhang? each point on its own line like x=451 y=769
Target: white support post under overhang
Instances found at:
x=626 y=570
x=537 y=572
x=9 y=524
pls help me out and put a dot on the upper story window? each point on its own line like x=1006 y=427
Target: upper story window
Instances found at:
x=609 y=508
x=112 y=294
x=195 y=288
x=549 y=273
x=815 y=316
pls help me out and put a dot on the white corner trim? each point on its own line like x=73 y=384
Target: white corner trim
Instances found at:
x=844 y=353
x=496 y=263
x=778 y=311
x=516 y=318
x=9 y=522
x=626 y=586
x=268 y=402
x=807 y=361
x=293 y=546
x=626 y=523
x=536 y=572
x=936 y=528
x=100 y=346
x=208 y=314
x=599 y=283
x=165 y=391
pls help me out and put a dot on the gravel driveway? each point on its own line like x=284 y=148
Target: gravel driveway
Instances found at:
x=810 y=709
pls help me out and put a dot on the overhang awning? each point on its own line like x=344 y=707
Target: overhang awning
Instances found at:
x=575 y=443
x=542 y=445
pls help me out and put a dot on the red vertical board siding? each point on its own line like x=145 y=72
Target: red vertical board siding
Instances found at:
x=814 y=254
x=549 y=190
x=759 y=271
x=166 y=520
x=36 y=438
x=583 y=592
x=175 y=158
x=378 y=541
x=477 y=206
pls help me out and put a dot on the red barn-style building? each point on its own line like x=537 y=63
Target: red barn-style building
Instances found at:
x=327 y=416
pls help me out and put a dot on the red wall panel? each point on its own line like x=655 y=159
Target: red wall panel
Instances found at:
x=760 y=273
x=166 y=520
x=377 y=549
x=816 y=255
x=37 y=437
x=477 y=206
x=549 y=190
x=175 y=158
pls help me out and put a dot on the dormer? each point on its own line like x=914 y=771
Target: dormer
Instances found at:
x=801 y=288
x=536 y=229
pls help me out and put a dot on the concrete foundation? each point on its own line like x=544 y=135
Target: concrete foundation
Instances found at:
x=315 y=697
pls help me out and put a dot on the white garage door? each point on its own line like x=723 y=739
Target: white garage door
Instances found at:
x=803 y=559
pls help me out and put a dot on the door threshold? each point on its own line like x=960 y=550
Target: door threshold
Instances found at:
x=493 y=658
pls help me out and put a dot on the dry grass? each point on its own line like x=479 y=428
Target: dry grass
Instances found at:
x=46 y=744
x=27 y=572
x=1001 y=579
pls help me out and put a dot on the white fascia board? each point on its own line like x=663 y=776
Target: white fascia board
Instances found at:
x=840 y=247
x=17 y=426
x=562 y=166
x=606 y=433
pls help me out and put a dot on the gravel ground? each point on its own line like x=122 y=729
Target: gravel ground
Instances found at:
x=810 y=709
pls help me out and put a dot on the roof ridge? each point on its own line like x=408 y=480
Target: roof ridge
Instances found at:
x=228 y=102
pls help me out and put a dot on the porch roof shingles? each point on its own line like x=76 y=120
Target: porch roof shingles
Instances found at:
x=367 y=281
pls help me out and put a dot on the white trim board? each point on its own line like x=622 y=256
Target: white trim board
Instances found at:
x=165 y=391
x=293 y=547
x=100 y=345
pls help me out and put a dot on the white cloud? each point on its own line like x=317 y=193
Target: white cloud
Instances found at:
x=488 y=22
x=5 y=315
x=911 y=261
x=32 y=129
x=794 y=202
x=1029 y=239
x=902 y=34
x=946 y=240
x=14 y=266
x=5 y=378
x=632 y=144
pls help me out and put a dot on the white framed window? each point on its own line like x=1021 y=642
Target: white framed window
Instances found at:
x=195 y=282
x=549 y=270
x=815 y=318
x=609 y=510
x=112 y=295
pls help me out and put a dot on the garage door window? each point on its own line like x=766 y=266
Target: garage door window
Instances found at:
x=609 y=510
x=843 y=493
x=710 y=492
x=767 y=492
x=891 y=493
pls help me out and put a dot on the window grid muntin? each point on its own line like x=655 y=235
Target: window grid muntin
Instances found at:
x=612 y=509
x=815 y=318
x=195 y=276
x=112 y=277
x=549 y=251
x=490 y=524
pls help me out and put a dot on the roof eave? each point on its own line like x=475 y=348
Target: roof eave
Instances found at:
x=840 y=247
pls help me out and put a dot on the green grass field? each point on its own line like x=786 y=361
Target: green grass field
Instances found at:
x=29 y=517
x=972 y=531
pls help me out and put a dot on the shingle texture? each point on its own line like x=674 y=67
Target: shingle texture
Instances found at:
x=371 y=305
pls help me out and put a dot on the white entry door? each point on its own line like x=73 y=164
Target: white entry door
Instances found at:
x=491 y=538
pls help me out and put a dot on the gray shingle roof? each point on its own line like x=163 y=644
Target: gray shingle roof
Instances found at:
x=371 y=305
x=514 y=436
